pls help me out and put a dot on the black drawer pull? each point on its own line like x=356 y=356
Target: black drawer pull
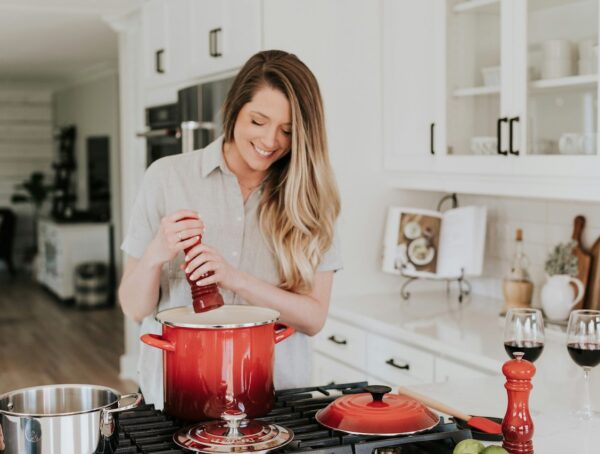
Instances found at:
x=392 y=363
x=158 y=66
x=510 y=135
x=336 y=341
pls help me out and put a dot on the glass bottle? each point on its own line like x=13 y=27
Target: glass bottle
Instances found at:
x=520 y=262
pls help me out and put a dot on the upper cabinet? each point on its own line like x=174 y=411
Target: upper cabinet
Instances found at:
x=185 y=40
x=164 y=34
x=224 y=34
x=517 y=107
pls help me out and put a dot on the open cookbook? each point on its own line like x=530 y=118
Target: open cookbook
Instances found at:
x=428 y=243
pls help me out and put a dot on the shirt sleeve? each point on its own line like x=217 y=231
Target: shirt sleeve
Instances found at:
x=148 y=210
x=332 y=260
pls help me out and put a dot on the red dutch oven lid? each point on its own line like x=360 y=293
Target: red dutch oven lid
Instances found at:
x=377 y=413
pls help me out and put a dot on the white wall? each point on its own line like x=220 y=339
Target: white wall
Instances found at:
x=93 y=107
x=545 y=223
x=25 y=146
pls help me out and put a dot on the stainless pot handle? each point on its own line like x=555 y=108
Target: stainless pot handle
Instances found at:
x=107 y=420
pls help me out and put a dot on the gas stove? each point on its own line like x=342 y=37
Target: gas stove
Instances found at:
x=147 y=430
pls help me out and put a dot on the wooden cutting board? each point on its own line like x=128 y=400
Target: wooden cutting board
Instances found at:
x=592 y=297
x=583 y=255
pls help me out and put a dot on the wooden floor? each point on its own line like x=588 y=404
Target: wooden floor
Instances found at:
x=42 y=341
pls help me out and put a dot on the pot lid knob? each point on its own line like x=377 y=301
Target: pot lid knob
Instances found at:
x=233 y=418
x=377 y=391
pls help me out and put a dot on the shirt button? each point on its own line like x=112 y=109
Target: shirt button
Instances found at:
x=239 y=219
x=234 y=253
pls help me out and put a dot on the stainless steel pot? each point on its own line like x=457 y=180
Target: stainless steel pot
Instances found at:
x=65 y=419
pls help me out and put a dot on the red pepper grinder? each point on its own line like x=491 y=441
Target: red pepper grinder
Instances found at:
x=205 y=297
x=517 y=426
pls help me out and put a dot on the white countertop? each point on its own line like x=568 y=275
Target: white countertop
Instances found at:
x=472 y=332
x=550 y=404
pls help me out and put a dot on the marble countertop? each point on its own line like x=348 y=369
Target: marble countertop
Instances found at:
x=472 y=333
x=556 y=431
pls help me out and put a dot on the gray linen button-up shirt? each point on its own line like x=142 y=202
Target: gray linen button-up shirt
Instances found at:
x=201 y=181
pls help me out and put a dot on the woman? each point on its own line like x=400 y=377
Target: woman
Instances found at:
x=265 y=201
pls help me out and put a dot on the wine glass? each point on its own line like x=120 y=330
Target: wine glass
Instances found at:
x=583 y=344
x=524 y=332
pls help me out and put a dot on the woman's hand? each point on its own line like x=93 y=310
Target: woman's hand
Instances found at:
x=175 y=234
x=203 y=259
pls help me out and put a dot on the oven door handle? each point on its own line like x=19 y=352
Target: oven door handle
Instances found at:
x=165 y=132
x=187 y=133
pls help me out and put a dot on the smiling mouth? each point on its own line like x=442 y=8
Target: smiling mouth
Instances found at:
x=263 y=153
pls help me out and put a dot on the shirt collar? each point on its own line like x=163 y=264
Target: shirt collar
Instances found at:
x=212 y=158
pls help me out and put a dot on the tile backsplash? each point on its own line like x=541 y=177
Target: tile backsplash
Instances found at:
x=545 y=223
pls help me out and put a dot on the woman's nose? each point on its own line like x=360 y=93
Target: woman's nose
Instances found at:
x=270 y=139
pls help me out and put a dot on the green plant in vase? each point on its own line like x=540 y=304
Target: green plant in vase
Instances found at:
x=558 y=295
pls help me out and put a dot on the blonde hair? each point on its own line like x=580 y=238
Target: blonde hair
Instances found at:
x=300 y=201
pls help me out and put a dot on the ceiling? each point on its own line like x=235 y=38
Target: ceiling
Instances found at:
x=54 y=40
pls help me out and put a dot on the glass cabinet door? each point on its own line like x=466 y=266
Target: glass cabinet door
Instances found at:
x=475 y=78
x=557 y=76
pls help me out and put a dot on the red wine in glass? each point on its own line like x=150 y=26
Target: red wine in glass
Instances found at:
x=586 y=354
x=531 y=349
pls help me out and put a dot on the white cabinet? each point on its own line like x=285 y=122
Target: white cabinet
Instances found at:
x=509 y=119
x=61 y=247
x=446 y=370
x=224 y=34
x=346 y=353
x=165 y=41
x=327 y=370
x=410 y=84
x=190 y=39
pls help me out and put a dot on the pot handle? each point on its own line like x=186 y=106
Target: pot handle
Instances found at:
x=580 y=290
x=282 y=332
x=2 y=447
x=107 y=420
x=156 y=340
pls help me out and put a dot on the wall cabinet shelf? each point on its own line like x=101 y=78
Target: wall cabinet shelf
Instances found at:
x=536 y=129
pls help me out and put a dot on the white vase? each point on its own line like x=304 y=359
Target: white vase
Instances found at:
x=558 y=296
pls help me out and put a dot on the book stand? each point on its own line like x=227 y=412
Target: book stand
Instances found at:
x=464 y=286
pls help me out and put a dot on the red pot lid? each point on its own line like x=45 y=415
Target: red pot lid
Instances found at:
x=377 y=413
x=233 y=434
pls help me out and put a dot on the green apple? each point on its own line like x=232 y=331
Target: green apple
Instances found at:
x=468 y=447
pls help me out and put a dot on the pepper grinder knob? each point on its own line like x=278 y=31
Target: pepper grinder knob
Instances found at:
x=517 y=426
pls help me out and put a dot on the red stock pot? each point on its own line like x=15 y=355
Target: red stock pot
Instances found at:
x=218 y=360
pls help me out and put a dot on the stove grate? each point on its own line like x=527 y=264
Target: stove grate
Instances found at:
x=150 y=431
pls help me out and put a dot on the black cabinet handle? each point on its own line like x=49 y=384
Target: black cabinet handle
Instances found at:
x=158 y=61
x=392 y=363
x=499 y=136
x=510 y=136
x=432 y=138
x=213 y=42
x=336 y=341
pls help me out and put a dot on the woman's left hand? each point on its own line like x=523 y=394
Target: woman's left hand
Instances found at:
x=202 y=259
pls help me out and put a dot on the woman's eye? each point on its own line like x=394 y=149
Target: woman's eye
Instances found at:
x=254 y=122
x=287 y=133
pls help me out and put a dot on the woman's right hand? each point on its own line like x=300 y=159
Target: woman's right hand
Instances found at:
x=176 y=233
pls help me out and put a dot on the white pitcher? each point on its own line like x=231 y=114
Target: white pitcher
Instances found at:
x=558 y=297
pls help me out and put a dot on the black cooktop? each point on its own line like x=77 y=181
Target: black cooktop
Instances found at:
x=147 y=430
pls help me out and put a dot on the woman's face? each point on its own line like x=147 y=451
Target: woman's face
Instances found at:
x=263 y=130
